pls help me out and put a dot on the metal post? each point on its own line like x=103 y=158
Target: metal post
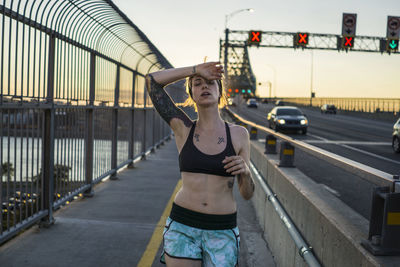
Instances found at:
x=131 y=148
x=114 y=146
x=226 y=56
x=48 y=142
x=144 y=127
x=89 y=135
x=153 y=149
x=312 y=72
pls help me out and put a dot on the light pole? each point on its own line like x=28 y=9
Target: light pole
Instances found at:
x=269 y=86
x=230 y=15
x=312 y=78
x=274 y=70
x=227 y=17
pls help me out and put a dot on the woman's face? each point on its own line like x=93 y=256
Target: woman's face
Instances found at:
x=205 y=92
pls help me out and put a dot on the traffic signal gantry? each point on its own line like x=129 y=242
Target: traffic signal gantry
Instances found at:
x=346 y=41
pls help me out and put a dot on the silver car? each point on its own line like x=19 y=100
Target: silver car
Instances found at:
x=396 y=137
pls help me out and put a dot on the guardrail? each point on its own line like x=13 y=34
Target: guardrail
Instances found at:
x=319 y=217
x=384 y=225
x=367 y=105
x=374 y=176
x=73 y=107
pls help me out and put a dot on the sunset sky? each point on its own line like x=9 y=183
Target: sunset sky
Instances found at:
x=187 y=31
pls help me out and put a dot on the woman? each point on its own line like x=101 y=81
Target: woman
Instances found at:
x=201 y=228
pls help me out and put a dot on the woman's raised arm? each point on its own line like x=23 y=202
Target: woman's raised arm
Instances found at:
x=165 y=106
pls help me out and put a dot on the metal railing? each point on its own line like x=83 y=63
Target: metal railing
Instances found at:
x=368 y=105
x=73 y=104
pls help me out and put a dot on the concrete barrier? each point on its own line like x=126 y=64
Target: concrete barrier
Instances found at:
x=330 y=227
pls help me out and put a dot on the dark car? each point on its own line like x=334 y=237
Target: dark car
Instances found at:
x=396 y=137
x=326 y=108
x=279 y=103
x=287 y=118
x=252 y=103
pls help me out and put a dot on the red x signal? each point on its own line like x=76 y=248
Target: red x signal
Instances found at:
x=254 y=37
x=348 y=41
x=301 y=39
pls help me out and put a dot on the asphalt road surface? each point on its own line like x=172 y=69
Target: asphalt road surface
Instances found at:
x=363 y=140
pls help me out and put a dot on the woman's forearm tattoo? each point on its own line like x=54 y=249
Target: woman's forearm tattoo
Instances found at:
x=163 y=102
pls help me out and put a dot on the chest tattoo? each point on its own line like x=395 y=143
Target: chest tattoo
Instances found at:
x=220 y=140
x=196 y=136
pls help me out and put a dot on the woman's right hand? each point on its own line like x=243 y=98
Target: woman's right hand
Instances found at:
x=210 y=70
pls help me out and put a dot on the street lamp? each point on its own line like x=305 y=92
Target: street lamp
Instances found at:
x=274 y=70
x=269 y=86
x=229 y=16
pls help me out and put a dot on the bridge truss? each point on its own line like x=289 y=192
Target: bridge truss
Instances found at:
x=234 y=51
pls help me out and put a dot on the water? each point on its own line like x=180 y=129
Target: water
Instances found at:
x=25 y=155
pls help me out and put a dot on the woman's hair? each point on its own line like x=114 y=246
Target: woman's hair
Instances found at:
x=190 y=102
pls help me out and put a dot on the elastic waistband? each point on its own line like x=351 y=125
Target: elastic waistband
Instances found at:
x=202 y=220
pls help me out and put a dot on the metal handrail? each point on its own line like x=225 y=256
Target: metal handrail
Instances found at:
x=305 y=251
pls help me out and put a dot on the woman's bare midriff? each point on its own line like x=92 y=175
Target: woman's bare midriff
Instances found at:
x=206 y=193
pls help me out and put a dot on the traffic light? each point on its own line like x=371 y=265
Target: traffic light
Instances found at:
x=254 y=37
x=301 y=39
x=243 y=91
x=347 y=42
x=392 y=45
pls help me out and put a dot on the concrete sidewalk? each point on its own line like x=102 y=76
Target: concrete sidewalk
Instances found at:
x=114 y=227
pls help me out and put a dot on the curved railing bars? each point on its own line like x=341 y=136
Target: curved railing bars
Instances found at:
x=128 y=46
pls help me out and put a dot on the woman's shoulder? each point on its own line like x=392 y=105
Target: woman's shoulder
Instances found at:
x=238 y=130
x=239 y=135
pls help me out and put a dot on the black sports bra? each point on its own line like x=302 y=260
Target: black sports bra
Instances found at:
x=192 y=159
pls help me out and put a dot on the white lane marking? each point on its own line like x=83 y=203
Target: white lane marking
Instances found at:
x=318 y=137
x=359 y=150
x=256 y=113
x=371 y=154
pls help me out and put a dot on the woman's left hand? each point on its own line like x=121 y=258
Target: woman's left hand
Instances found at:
x=235 y=165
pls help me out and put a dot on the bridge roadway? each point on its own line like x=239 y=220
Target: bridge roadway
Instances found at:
x=367 y=141
x=122 y=224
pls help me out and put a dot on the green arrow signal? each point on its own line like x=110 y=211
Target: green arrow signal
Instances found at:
x=393 y=44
